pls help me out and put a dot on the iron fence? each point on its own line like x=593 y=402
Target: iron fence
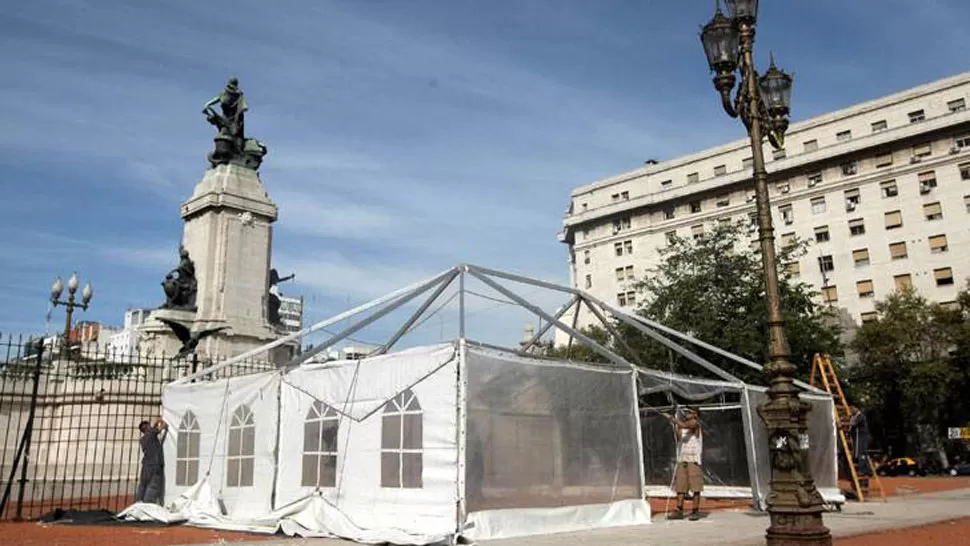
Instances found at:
x=69 y=422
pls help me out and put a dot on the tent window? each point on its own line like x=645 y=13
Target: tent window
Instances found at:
x=320 y=446
x=187 y=450
x=402 y=440
x=242 y=448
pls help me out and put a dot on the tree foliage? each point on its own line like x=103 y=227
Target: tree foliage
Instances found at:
x=712 y=286
x=913 y=372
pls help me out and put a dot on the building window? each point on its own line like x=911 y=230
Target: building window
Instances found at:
x=693 y=178
x=787 y=239
x=842 y=136
x=629 y=273
x=625 y=195
x=826 y=264
x=589 y=281
x=889 y=188
x=822 y=234
x=187 y=450
x=864 y=288
x=938 y=244
x=585 y=233
x=897 y=251
x=943 y=276
x=962 y=142
x=811 y=145
x=585 y=207
x=814 y=179
x=402 y=441
x=933 y=211
x=884 y=160
x=852 y=199
x=818 y=205
x=671 y=237
x=778 y=154
x=894 y=219
x=621 y=224
x=957 y=105
x=628 y=246
x=950 y=305
x=869 y=316
x=917 y=116
x=666 y=183
x=923 y=150
x=669 y=214
x=857 y=226
x=720 y=170
x=615 y=197
x=783 y=187
x=631 y=298
x=966 y=202
x=320 y=446
x=241 y=457
x=861 y=257
x=880 y=125
x=695 y=207
x=903 y=282
x=927 y=181
x=619 y=274
x=697 y=231
x=793 y=269
x=723 y=203
x=586 y=257
x=747 y=163
x=618 y=249
x=849 y=168
x=830 y=294
x=787 y=214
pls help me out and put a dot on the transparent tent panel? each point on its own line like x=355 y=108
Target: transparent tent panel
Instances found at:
x=548 y=434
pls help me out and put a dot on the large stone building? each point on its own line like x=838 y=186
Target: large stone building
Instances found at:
x=882 y=189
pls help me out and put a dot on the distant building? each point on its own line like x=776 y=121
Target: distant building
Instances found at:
x=125 y=342
x=291 y=314
x=882 y=189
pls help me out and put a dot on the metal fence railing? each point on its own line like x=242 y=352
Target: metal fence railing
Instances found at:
x=69 y=418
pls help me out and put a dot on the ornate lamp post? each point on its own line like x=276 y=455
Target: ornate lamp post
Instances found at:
x=762 y=103
x=72 y=284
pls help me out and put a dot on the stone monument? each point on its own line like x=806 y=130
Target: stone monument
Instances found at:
x=222 y=281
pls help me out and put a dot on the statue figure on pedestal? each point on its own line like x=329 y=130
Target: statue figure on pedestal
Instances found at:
x=231 y=144
x=180 y=284
x=273 y=299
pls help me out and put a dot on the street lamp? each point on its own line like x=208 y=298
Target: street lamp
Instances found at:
x=72 y=284
x=794 y=504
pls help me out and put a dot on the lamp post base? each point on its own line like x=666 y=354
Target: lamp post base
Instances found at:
x=797 y=528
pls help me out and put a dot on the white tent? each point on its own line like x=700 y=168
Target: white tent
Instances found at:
x=460 y=438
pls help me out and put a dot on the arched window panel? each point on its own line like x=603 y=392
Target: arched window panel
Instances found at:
x=187 y=450
x=402 y=433
x=241 y=454
x=320 y=446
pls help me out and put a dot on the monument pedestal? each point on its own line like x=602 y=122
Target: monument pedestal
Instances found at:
x=156 y=338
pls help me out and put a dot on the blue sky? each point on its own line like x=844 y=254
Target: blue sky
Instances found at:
x=404 y=136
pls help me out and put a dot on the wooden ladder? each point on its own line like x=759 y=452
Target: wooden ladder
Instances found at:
x=824 y=377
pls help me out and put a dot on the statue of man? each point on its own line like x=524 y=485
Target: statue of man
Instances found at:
x=234 y=107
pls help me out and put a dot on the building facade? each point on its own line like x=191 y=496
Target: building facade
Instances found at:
x=125 y=342
x=881 y=189
x=291 y=314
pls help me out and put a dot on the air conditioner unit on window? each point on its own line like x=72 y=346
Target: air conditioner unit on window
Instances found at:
x=954 y=149
x=750 y=198
x=812 y=183
x=786 y=188
x=789 y=221
x=850 y=206
x=915 y=159
x=924 y=188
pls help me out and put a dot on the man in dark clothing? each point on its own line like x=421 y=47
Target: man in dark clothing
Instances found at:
x=151 y=483
x=859 y=435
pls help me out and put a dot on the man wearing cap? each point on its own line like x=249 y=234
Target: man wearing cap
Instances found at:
x=689 y=475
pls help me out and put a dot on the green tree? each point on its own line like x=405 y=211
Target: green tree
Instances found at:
x=712 y=287
x=912 y=371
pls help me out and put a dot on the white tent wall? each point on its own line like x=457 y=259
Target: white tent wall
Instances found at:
x=358 y=391
x=550 y=446
x=236 y=427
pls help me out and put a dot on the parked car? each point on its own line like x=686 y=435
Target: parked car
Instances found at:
x=902 y=466
x=960 y=469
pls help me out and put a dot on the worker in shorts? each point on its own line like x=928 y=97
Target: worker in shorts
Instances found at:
x=689 y=474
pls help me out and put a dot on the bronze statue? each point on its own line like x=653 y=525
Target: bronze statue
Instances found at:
x=180 y=284
x=231 y=144
x=273 y=302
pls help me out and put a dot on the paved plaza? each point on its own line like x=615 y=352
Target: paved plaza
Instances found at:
x=736 y=528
